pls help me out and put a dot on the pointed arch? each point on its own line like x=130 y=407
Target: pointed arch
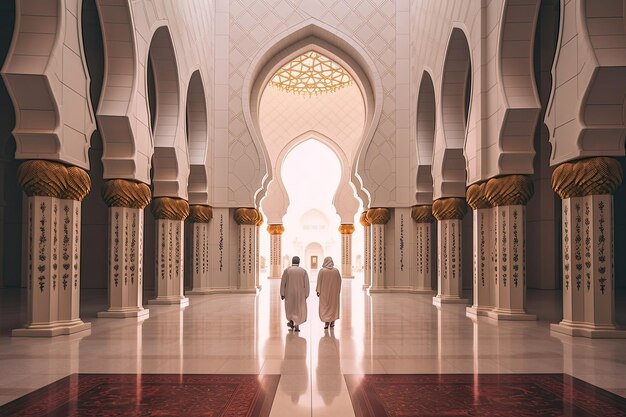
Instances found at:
x=170 y=158
x=449 y=164
x=426 y=114
x=197 y=140
x=337 y=46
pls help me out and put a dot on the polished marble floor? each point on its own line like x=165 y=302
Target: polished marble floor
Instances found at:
x=377 y=334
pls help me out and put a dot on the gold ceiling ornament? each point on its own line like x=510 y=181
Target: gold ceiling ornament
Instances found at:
x=311 y=73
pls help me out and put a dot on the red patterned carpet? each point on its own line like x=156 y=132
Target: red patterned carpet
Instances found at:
x=106 y=395
x=483 y=395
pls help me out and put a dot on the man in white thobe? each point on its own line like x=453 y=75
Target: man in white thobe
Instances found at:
x=294 y=289
x=328 y=290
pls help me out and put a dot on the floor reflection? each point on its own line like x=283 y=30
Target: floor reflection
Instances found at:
x=294 y=362
x=328 y=370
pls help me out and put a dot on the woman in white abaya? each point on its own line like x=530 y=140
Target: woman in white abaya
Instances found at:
x=328 y=290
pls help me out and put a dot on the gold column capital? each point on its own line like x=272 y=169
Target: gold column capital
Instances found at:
x=591 y=176
x=247 y=216
x=452 y=208
x=510 y=190
x=363 y=219
x=346 y=228
x=261 y=219
x=200 y=214
x=126 y=193
x=275 y=229
x=169 y=208
x=39 y=177
x=378 y=215
x=422 y=214
x=476 y=197
x=78 y=184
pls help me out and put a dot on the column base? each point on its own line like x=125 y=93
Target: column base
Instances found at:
x=511 y=315
x=176 y=300
x=209 y=291
x=52 y=329
x=475 y=311
x=347 y=277
x=426 y=291
x=588 y=330
x=439 y=300
x=268 y=277
x=139 y=314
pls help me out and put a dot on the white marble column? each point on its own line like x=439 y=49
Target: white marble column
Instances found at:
x=53 y=250
x=378 y=217
x=367 y=250
x=586 y=188
x=200 y=217
x=169 y=214
x=422 y=282
x=257 y=254
x=482 y=240
x=247 y=219
x=126 y=201
x=508 y=195
x=346 y=231
x=276 y=249
x=449 y=213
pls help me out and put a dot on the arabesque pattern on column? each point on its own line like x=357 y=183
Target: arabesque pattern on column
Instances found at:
x=275 y=231
x=367 y=250
x=586 y=187
x=423 y=216
x=483 y=253
x=247 y=219
x=126 y=200
x=346 y=231
x=169 y=214
x=378 y=217
x=200 y=216
x=509 y=195
x=449 y=213
x=54 y=200
x=257 y=256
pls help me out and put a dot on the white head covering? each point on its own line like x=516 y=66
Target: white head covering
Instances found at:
x=328 y=263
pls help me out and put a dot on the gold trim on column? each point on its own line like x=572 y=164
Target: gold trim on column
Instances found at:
x=261 y=219
x=422 y=214
x=511 y=190
x=126 y=193
x=78 y=184
x=200 y=214
x=248 y=216
x=43 y=178
x=452 y=208
x=475 y=196
x=592 y=176
x=378 y=215
x=363 y=219
x=168 y=208
x=346 y=229
x=275 y=229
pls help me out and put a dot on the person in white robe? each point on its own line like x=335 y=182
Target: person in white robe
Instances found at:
x=328 y=290
x=294 y=289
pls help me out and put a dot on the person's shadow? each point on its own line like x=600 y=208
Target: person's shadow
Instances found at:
x=328 y=371
x=294 y=364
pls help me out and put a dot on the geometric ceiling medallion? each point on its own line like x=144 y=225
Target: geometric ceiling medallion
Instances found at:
x=311 y=73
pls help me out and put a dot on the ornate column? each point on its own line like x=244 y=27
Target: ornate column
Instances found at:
x=586 y=188
x=378 y=217
x=483 y=293
x=247 y=219
x=346 y=231
x=508 y=196
x=449 y=213
x=54 y=212
x=367 y=250
x=200 y=217
x=276 y=249
x=126 y=201
x=423 y=216
x=257 y=255
x=169 y=214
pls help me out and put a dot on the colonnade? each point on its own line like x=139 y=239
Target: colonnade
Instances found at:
x=54 y=194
